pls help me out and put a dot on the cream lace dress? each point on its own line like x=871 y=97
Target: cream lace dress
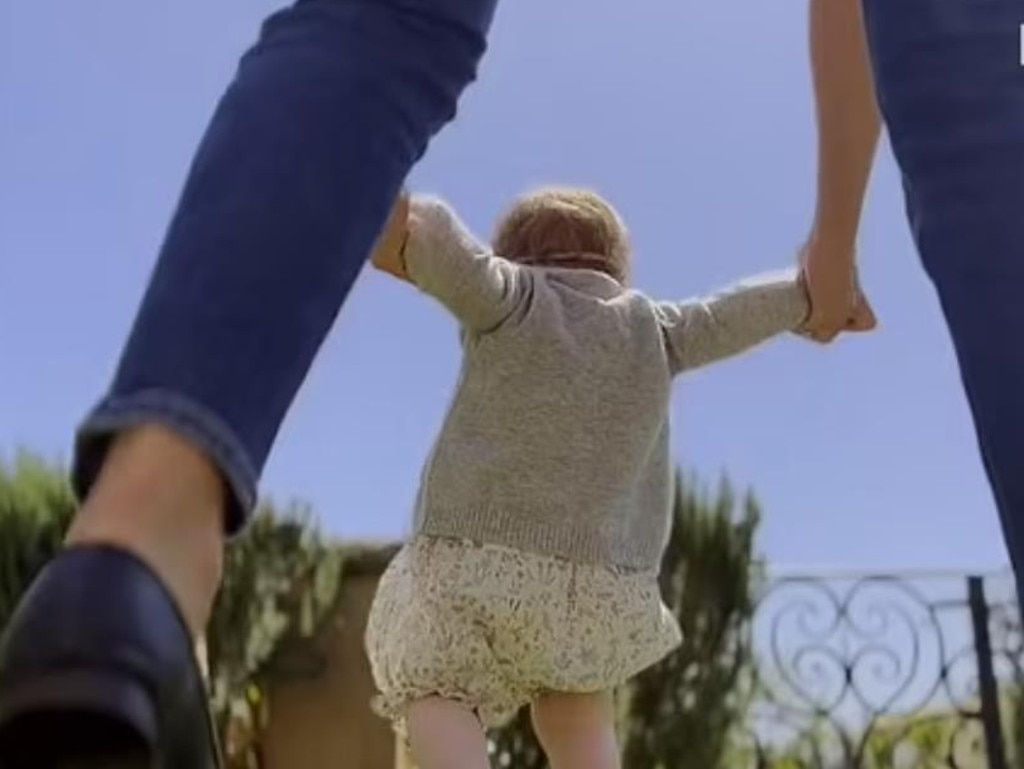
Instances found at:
x=493 y=627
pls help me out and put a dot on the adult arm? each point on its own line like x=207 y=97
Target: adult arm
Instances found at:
x=848 y=129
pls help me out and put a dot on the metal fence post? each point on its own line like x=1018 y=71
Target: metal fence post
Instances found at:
x=987 y=688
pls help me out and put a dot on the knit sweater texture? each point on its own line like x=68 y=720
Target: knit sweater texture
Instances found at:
x=557 y=438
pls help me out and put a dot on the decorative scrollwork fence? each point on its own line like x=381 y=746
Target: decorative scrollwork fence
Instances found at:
x=886 y=672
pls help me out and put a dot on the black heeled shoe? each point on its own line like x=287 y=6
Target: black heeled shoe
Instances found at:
x=97 y=669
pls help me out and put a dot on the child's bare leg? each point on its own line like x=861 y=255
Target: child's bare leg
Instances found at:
x=577 y=731
x=446 y=735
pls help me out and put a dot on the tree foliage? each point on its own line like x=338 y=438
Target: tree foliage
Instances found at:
x=280 y=582
x=682 y=712
x=36 y=505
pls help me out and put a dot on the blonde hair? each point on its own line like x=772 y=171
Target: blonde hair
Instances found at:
x=567 y=226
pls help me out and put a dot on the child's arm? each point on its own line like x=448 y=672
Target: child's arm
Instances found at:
x=442 y=258
x=700 y=331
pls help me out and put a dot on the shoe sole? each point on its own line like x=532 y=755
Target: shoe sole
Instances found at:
x=77 y=719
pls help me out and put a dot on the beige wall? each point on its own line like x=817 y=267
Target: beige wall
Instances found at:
x=324 y=722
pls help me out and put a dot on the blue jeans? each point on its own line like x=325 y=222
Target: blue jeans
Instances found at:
x=286 y=196
x=951 y=87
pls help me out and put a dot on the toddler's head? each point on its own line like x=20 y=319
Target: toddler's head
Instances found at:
x=565 y=227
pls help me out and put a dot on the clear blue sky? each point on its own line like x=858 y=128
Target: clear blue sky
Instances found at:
x=694 y=118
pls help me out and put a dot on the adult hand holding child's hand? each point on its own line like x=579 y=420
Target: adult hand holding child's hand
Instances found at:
x=388 y=253
x=837 y=302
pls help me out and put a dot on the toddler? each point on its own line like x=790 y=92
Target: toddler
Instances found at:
x=531 y=577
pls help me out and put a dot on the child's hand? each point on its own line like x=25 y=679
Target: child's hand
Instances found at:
x=388 y=255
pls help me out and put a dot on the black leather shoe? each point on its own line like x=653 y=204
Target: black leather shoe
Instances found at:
x=97 y=669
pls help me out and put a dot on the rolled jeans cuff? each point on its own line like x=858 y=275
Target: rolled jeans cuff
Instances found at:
x=191 y=420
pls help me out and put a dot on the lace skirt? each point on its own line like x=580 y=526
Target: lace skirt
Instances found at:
x=493 y=627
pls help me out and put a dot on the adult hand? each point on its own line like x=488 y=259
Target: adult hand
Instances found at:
x=837 y=302
x=388 y=254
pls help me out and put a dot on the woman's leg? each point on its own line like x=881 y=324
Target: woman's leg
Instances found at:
x=158 y=497
x=951 y=87
x=288 y=190
x=577 y=731
x=446 y=735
